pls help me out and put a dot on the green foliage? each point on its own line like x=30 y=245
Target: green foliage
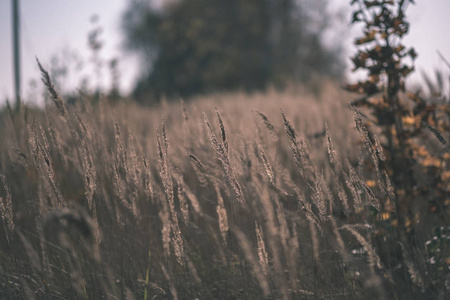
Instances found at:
x=201 y=46
x=409 y=128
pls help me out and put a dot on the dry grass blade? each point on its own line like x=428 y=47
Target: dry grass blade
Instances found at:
x=248 y=252
x=147 y=177
x=289 y=129
x=274 y=236
x=222 y=131
x=196 y=160
x=373 y=200
x=6 y=208
x=55 y=137
x=224 y=159
x=164 y=217
x=262 y=253
x=341 y=193
x=122 y=155
x=373 y=257
x=164 y=168
x=294 y=144
x=361 y=127
x=193 y=200
x=59 y=102
x=266 y=121
x=309 y=214
x=90 y=176
x=416 y=276
x=436 y=133
x=166 y=177
x=134 y=160
x=165 y=139
x=135 y=173
x=266 y=164
x=118 y=185
x=184 y=111
x=181 y=193
x=389 y=188
x=352 y=180
x=320 y=197
x=332 y=153
x=314 y=241
x=222 y=214
x=177 y=240
x=283 y=228
x=268 y=124
x=45 y=159
x=376 y=152
x=379 y=148
x=301 y=156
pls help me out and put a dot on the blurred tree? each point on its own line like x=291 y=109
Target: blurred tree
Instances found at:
x=200 y=46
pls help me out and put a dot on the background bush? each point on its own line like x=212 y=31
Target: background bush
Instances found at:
x=197 y=46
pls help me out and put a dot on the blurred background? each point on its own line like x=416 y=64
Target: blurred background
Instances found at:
x=182 y=48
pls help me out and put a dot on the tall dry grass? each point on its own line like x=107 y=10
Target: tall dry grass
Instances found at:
x=220 y=198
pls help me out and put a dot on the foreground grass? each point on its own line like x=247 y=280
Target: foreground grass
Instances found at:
x=185 y=201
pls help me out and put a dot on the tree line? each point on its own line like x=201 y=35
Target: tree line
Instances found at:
x=189 y=47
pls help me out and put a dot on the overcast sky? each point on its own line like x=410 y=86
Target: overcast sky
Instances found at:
x=55 y=26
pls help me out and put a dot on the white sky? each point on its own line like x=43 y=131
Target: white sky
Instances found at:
x=50 y=26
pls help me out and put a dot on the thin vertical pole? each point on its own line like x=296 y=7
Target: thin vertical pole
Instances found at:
x=16 y=49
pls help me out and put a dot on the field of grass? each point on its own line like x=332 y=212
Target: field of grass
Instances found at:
x=234 y=196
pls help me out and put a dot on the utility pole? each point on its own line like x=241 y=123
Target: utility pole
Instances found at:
x=16 y=50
